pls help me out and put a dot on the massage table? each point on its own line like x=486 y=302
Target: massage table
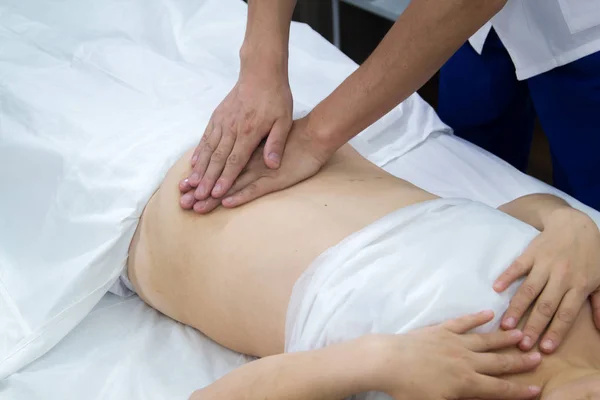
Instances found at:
x=97 y=101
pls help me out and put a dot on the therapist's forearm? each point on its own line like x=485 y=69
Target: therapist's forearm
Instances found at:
x=423 y=38
x=265 y=46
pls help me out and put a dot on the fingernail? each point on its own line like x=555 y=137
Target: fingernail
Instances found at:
x=534 y=357
x=535 y=389
x=498 y=286
x=199 y=206
x=228 y=201
x=217 y=189
x=510 y=322
x=274 y=157
x=195 y=177
x=200 y=193
x=516 y=334
x=527 y=342
x=186 y=200
x=547 y=344
x=194 y=159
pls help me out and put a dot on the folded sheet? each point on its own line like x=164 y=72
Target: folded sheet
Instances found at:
x=418 y=266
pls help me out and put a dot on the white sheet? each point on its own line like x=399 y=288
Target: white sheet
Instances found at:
x=97 y=100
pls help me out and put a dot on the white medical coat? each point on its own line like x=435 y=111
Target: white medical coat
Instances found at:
x=544 y=34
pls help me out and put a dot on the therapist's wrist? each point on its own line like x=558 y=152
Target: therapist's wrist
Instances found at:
x=322 y=129
x=264 y=57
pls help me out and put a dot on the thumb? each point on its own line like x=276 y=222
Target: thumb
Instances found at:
x=273 y=152
x=595 y=300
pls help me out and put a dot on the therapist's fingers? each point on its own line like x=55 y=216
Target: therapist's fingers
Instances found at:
x=187 y=200
x=184 y=186
x=563 y=321
x=273 y=151
x=237 y=160
x=208 y=205
x=254 y=190
x=215 y=166
x=525 y=296
x=519 y=268
x=209 y=128
x=542 y=312
x=595 y=301
x=208 y=144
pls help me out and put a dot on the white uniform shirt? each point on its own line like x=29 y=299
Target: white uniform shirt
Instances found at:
x=543 y=34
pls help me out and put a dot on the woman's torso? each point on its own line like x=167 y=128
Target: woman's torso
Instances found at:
x=230 y=273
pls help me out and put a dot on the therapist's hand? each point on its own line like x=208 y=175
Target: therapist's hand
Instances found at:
x=563 y=268
x=303 y=157
x=259 y=106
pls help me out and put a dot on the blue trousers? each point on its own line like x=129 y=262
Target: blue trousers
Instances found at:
x=482 y=100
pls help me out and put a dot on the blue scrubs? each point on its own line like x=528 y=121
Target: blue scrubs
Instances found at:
x=482 y=100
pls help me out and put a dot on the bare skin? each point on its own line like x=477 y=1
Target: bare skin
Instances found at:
x=220 y=274
x=241 y=294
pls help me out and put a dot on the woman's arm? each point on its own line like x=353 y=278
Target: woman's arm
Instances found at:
x=536 y=209
x=421 y=40
x=442 y=361
x=332 y=373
